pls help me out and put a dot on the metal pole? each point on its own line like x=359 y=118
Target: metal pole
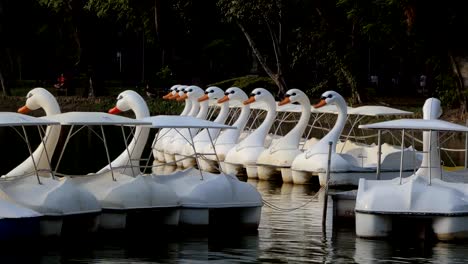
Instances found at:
x=107 y=153
x=466 y=147
x=430 y=157
x=128 y=152
x=49 y=161
x=402 y=154
x=325 y=200
x=31 y=153
x=195 y=152
x=379 y=153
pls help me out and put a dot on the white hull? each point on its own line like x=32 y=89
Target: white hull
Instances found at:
x=444 y=228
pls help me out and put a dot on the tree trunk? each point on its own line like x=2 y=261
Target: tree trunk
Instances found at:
x=460 y=67
x=278 y=78
x=2 y=83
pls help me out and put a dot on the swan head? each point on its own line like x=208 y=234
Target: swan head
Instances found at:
x=127 y=100
x=293 y=96
x=191 y=93
x=172 y=92
x=330 y=98
x=233 y=94
x=260 y=95
x=36 y=98
x=212 y=92
x=432 y=109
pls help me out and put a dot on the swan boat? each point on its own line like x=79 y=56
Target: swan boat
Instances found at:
x=64 y=207
x=209 y=200
x=428 y=201
x=206 y=199
x=202 y=139
x=128 y=202
x=354 y=161
x=245 y=154
x=228 y=138
x=165 y=135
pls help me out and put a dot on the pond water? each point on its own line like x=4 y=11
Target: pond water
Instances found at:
x=283 y=237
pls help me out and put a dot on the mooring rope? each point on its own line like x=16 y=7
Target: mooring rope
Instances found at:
x=281 y=209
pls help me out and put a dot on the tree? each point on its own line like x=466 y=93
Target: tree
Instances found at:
x=265 y=19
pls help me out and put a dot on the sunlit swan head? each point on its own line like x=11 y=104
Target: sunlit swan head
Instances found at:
x=191 y=93
x=259 y=95
x=127 y=100
x=35 y=99
x=172 y=92
x=330 y=98
x=294 y=96
x=233 y=94
x=212 y=92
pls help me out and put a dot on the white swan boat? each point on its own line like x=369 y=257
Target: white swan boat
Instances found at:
x=206 y=136
x=245 y=154
x=355 y=160
x=165 y=135
x=228 y=138
x=128 y=202
x=206 y=200
x=65 y=207
x=209 y=200
x=425 y=201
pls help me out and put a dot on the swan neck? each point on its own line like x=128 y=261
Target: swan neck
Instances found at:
x=203 y=110
x=194 y=109
x=298 y=130
x=243 y=118
x=334 y=134
x=187 y=108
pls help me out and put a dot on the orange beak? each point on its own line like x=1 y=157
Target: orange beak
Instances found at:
x=181 y=98
x=174 y=97
x=167 y=96
x=286 y=100
x=250 y=100
x=203 y=98
x=320 y=104
x=224 y=99
x=114 y=111
x=24 y=110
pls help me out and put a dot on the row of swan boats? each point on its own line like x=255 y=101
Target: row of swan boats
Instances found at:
x=265 y=156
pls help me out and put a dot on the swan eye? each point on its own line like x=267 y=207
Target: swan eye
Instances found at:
x=293 y=94
x=259 y=93
x=119 y=97
x=232 y=92
x=212 y=91
x=330 y=96
x=190 y=90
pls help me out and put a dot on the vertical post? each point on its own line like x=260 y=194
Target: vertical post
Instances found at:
x=31 y=154
x=402 y=154
x=430 y=157
x=128 y=152
x=325 y=200
x=195 y=152
x=379 y=153
x=466 y=147
x=107 y=153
